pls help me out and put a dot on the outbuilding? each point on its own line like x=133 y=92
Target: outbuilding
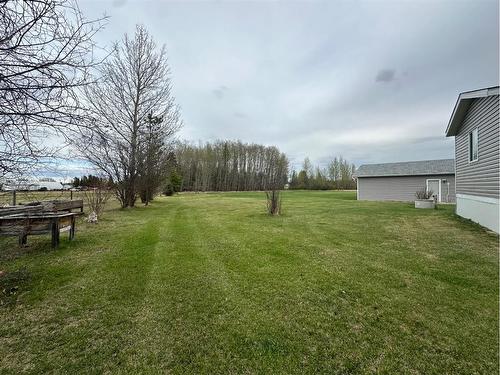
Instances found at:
x=400 y=181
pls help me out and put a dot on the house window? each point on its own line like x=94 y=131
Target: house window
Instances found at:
x=473 y=145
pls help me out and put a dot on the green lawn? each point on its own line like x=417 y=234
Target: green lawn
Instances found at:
x=208 y=283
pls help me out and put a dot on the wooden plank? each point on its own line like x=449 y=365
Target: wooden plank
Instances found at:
x=19 y=209
x=60 y=205
x=39 y=207
x=38 y=215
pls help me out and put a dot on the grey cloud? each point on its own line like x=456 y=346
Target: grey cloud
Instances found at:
x=220 y=91
x=418 y=140
x=385 y=75
x=240 y=115
x=119 y=3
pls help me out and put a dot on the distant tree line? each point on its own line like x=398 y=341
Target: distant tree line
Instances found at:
x=90 y=181
x=230 y=166
x=338 y=174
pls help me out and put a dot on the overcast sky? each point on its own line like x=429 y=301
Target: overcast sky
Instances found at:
x=375 y=81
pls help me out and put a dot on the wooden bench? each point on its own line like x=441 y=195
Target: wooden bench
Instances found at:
x=24 y=224
x=40 y=218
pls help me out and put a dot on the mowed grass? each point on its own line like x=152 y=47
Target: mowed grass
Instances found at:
x=208 y=283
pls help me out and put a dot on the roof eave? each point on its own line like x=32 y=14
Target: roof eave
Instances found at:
x=462 y=105
x=409 y=175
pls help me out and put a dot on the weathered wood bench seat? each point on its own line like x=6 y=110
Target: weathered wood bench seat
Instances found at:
x=10 y=210
x=24 y=224
x=60 y=205
x=48 y=206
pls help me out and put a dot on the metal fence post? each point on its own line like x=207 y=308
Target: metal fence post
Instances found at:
x=13 y=197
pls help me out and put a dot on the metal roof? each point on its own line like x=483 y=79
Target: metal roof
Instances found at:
x=408 y=168
x=462 y=105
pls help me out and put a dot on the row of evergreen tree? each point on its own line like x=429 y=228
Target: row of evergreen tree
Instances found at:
x=231 y=166
x=338 y=174
x=90 y=181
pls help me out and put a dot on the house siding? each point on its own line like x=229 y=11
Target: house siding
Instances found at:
x=402 y=188
x=481 y=177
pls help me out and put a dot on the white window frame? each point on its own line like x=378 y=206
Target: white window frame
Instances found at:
x=427 y=186
x=470 y=141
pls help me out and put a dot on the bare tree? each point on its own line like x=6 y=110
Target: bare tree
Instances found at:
x=229 y=165
x=135 y=83
x=334 y=169
x=308 y=168
x=273 y=198
x=46 y=51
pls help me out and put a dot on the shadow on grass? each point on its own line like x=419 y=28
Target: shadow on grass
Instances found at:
x=11 y=285
x=10 y=250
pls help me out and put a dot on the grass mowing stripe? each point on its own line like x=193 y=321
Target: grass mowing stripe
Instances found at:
x=90 y=317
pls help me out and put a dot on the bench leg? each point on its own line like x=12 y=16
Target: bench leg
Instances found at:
x=72 y=229
x=55 y=234
x=23 y=240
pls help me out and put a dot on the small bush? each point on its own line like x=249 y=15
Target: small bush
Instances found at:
x=169 y=190
x=173 y=184
x=424 y=194
x=96 y=198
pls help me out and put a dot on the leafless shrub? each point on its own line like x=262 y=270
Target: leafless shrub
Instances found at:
x=424 y=194
x=273 y=202
x=96 y=198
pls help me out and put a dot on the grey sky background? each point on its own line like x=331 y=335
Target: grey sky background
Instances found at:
x=375 y=81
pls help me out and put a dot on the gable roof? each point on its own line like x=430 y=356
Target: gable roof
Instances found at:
x=462 y=105
x=408 y=168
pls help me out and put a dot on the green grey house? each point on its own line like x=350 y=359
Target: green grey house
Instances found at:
x=400 y=181
x=475 y=125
